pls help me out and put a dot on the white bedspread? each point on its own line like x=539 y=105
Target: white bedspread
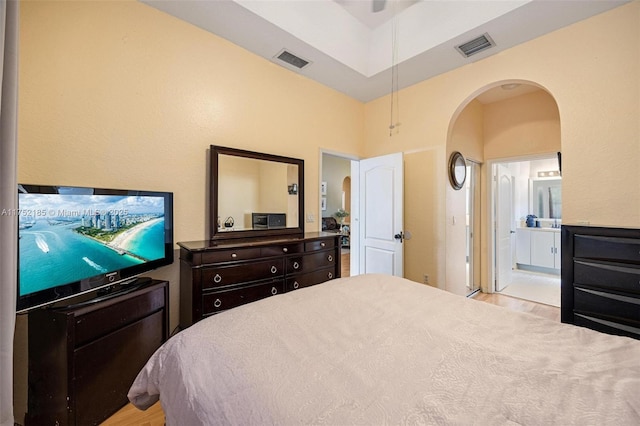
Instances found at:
x=374 y=350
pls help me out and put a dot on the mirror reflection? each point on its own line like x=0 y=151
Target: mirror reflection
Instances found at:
x=256 y=194
x=546 y=197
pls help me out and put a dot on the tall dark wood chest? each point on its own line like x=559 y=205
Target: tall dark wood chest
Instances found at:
x=601 y=279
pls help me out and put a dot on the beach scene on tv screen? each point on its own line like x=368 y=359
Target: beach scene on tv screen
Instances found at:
x=68 y=238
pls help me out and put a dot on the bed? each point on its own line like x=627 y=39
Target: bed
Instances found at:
x=375 y=349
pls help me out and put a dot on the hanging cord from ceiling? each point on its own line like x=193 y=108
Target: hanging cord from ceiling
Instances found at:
x=394 y=122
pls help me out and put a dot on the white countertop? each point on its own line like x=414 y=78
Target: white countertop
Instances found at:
x=545 y=229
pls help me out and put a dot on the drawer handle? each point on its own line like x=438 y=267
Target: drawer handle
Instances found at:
x=217 y=303
x=322 y=244
x=295 y=284
x=234 y=255
x=330 y=275
x=274 y=291
x=274 y=269
x=296 y=265
x=284 y=249
x=330 y=258
x=217 y=278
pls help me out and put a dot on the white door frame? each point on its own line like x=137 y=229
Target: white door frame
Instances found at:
x=473 y=243
x=354 y=240
x=491 y=199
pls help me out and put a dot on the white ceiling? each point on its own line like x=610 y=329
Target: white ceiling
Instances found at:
x=350 y=48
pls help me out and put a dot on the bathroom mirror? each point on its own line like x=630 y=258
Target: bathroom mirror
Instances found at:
x=253 y=194
x=546 y=198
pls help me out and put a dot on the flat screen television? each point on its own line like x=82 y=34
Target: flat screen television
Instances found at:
x=76 y=240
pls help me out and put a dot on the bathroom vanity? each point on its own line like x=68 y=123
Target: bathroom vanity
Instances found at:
x=538 y=249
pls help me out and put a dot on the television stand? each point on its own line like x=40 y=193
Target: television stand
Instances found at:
x=83 y=358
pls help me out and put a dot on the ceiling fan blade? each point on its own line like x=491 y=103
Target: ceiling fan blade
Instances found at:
x=378 y=5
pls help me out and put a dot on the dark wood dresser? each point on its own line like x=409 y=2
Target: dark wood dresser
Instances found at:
x=601 y=279
x=84 y=358
x=220 y=275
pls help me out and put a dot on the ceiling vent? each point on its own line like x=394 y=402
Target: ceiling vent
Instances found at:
x=476 y=45
x=291 y=59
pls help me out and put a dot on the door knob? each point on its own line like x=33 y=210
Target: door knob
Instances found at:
x=399 y=236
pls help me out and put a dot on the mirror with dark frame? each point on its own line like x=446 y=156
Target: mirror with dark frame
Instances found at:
x=253 y=194
x=457 y=170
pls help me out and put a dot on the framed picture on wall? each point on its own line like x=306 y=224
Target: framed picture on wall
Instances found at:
x=324 y=203
x=323 y=188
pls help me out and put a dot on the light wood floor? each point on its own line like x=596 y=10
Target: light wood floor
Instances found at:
x=131 y=416
x=345 y=266
x=521 y=305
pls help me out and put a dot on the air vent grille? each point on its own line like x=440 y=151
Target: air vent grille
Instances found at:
x=476 y=45
x=292 y=59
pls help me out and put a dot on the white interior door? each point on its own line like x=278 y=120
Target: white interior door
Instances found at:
x=504 y=209
x=381 y=215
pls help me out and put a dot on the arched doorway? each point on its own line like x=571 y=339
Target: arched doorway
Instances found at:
x=346 y=197
x=508 y=119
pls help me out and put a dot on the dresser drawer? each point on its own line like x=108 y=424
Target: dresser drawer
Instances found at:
x=623 y=309
x=320 y=244
x=216 y=276
x=280 y=249
x=606 y=326
x=230 y=255
x=309 y=262
x=309 y=279
x=241 y=272
x=120 y=356
x=128 y=309
x=607 y=248
x=613 y=276
x=226 y=299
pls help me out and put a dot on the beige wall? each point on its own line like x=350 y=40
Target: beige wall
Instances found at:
x=422 y=186
x=525 y=125
x=597 y=92
x=119 y=94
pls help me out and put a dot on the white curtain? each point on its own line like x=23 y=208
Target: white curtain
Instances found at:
x=8 y=200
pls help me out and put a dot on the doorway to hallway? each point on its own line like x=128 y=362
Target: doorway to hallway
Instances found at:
x=336 y=193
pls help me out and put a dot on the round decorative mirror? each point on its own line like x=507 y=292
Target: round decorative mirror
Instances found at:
x=457 y=170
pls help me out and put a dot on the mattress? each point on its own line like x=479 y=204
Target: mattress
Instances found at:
x=375 y=349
